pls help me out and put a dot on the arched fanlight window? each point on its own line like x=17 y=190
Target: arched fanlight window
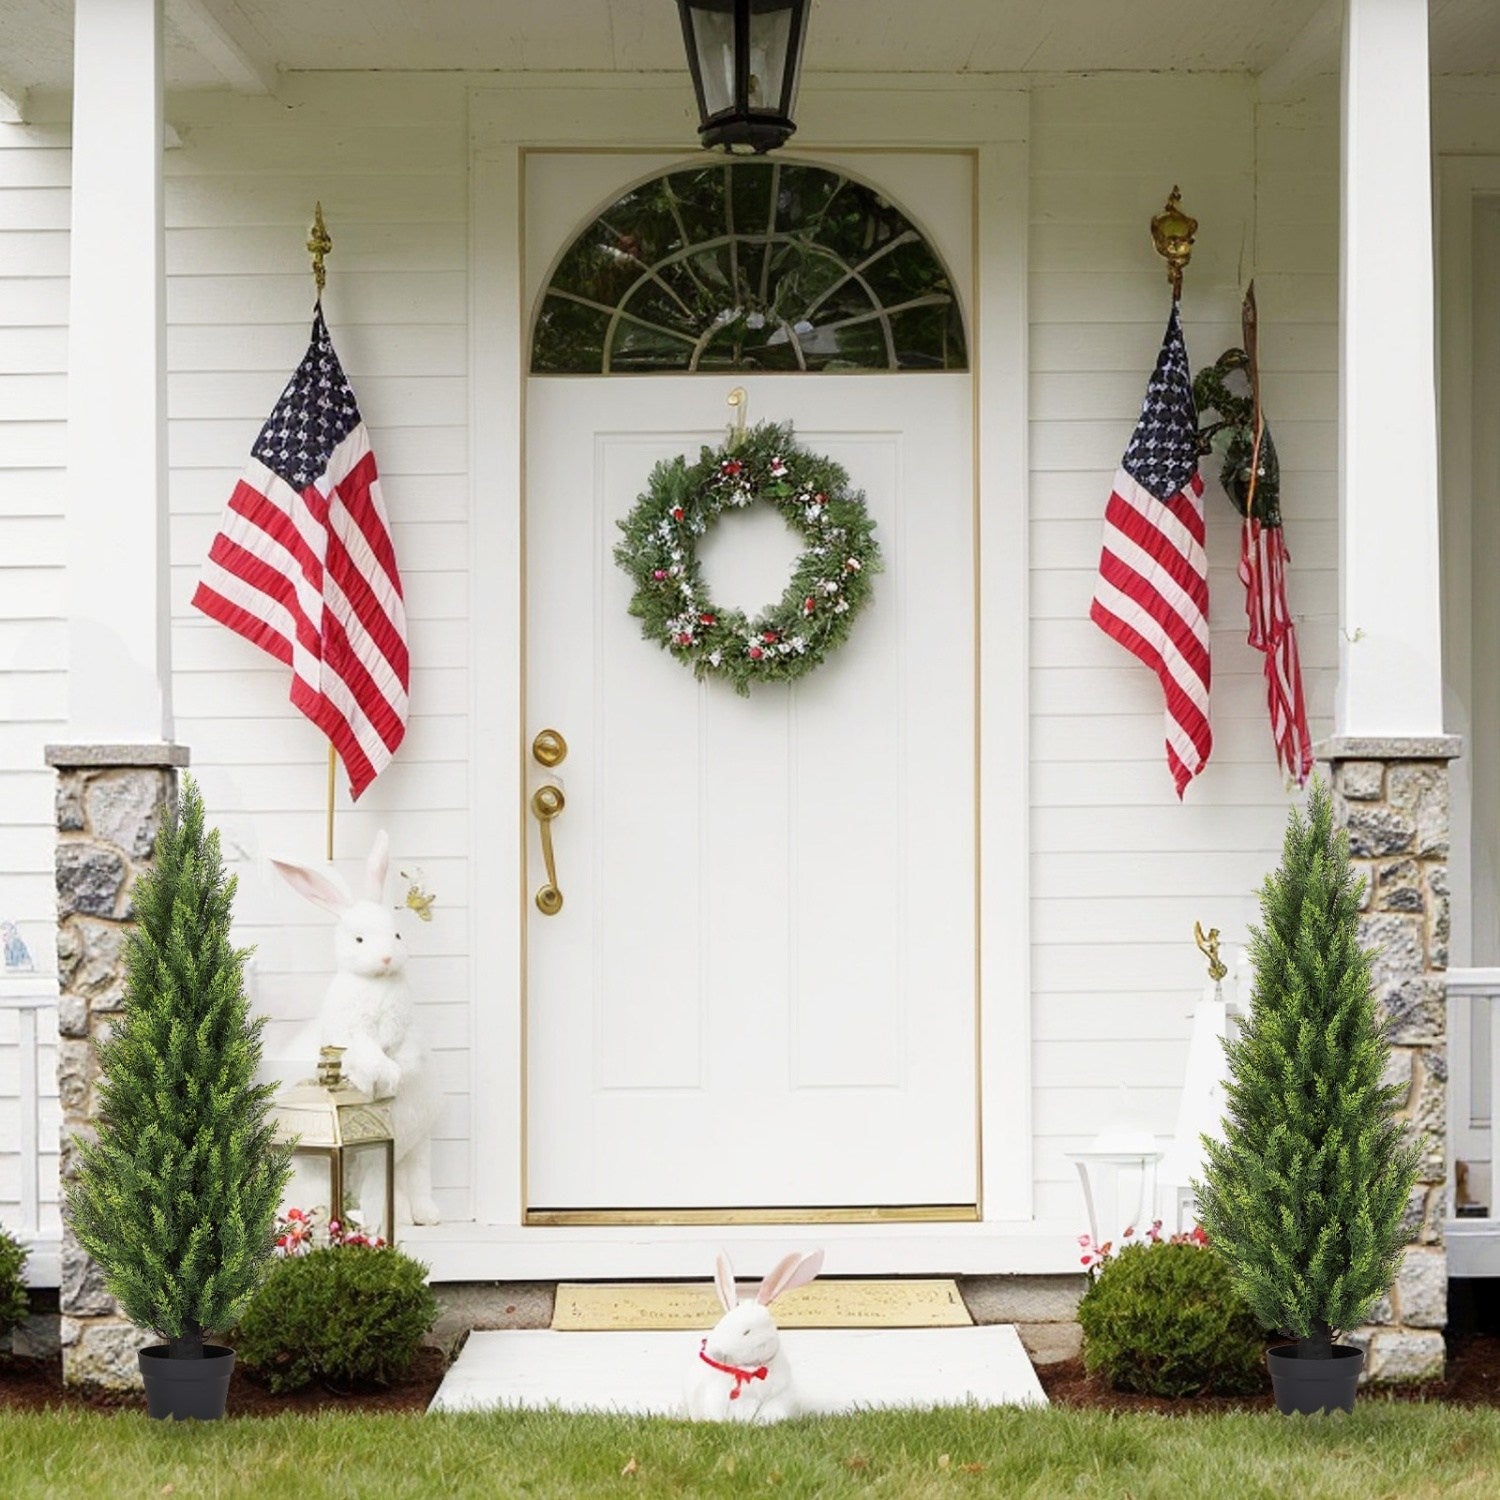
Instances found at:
x=749 y=265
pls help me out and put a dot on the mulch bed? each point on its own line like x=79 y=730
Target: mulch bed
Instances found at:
x=31 y=1384
x=1473 y=1379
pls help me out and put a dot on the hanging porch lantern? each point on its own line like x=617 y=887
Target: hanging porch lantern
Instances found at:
x=745 y=57
x=343 y=1161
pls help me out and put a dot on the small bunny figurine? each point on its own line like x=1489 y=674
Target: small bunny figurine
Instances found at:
x=368 y=1011
x=740 y=1373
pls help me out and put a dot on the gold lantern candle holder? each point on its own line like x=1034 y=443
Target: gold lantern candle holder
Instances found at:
x=344 y=1149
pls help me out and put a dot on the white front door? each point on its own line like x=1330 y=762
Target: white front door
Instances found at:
x=760 y=990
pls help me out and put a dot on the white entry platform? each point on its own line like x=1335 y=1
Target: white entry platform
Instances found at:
x=837 y=1369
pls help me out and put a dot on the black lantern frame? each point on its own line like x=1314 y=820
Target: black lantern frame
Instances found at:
x=756 y=115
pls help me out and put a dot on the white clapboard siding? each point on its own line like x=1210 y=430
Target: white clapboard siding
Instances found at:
x=34 y=176
x=1121 y=870
x=239 y=197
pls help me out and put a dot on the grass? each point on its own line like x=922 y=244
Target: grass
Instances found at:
x=1385 y=1449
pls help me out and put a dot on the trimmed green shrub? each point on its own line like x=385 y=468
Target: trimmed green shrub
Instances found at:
x=15 y=1302
x=1166 y=1320
x=341 y=1316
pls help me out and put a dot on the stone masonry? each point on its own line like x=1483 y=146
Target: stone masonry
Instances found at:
x=1392 y=796
x=109 y=802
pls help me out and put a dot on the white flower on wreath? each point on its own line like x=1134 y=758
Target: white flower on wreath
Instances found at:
x=841 y=606
x=715 y=657
x=778 y=467
x=828 y=586
x=814 y=513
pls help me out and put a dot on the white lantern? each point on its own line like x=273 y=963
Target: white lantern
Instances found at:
x=1118 y=1175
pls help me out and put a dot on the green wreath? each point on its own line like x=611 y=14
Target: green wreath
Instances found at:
x=831 y=580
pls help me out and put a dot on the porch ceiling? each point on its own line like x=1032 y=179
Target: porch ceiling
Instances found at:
x=244 y=43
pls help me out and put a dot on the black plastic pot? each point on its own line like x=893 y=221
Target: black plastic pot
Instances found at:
x=187 y=1387
x=1313 y=1385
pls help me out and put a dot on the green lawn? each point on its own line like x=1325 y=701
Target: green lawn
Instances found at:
x=1384 y=1449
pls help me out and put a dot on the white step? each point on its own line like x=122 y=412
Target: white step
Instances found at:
x=837 y=1369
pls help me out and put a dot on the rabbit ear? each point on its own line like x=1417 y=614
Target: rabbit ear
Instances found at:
x=318 y=889
x=792 y=1271
x=376 y=865
x=724 y=1282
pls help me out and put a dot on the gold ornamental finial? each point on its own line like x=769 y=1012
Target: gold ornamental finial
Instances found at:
x=1208 y=946
x=1172 y=233
x=319 y=243
x=330 y=1067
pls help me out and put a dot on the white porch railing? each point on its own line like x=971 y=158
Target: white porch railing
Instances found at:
x=1473 y=1217
x=28 y=1002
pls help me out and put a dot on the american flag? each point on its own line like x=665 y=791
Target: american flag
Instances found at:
x=304 y=567
x=1256 y=488
x=1263 y=560
x=1152 y=590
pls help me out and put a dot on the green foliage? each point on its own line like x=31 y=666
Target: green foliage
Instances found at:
x=831 y=581
x=340 y=1315
x=1305 y=1196
x=177 y=1198
x=1166 y=1320
x=15 y=1303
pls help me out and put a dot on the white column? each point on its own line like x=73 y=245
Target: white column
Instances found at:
x=119 y=683
x=1390 y=654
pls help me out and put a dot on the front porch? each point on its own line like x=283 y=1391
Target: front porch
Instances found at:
x=159 y=215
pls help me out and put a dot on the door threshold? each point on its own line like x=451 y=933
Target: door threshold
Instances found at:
x=905 y=1213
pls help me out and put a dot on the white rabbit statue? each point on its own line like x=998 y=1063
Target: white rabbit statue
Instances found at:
x=368 y=1010
x=740 y=1373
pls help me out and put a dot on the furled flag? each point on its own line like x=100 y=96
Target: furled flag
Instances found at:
x=1152 y=590
x=1252 y=479
x=304 y=567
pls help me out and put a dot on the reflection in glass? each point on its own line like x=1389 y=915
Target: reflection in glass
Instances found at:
x=749 y=265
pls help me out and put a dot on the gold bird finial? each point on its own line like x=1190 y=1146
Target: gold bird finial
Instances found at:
x=1208 y=946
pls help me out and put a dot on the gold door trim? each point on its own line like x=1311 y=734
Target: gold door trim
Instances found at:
x=909 y=1213
x=963 y=1213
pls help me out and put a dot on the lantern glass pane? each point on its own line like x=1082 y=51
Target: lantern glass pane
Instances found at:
x=713 y=35
x=310 y=1185
x=770 y=37
x=366 y=1189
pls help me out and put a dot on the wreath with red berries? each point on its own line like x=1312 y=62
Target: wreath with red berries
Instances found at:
x=831 y=580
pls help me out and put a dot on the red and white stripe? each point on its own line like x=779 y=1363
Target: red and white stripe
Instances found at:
x=1272 y=631
x=1152 y=596
x=312 y=579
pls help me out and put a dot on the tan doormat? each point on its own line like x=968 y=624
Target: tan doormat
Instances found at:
x=591 y=1307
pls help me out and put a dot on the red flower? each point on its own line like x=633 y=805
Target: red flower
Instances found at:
x=756 y=653
x=732 y=466
x=684 y=638
x=708 y=619
x=769 y=637
x=809 y=604
x=659 y=574
x=677 y=512
x=820 y=498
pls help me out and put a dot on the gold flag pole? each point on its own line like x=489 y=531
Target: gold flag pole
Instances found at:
x=319 y=243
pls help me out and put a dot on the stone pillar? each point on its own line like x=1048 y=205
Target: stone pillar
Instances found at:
x=109 y=802
x=1392 y=796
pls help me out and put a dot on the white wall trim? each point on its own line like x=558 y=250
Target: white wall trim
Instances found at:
x=1460 y=180
x=953 y=114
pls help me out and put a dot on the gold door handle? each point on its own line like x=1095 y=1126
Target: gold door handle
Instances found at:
x=546 y=803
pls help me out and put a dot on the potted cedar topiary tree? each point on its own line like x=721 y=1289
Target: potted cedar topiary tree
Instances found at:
x=1306 y=1194
x=177 y=1198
